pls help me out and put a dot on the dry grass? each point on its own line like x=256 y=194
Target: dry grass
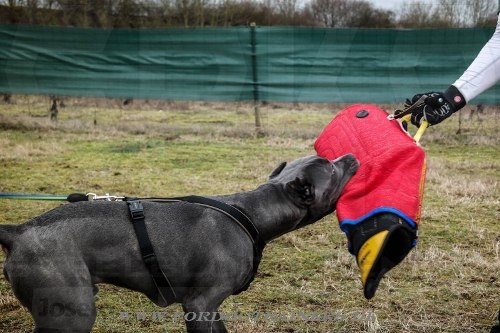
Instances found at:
x=26 y=150
x=449 y=283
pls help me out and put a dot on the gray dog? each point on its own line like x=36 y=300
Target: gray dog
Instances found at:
x=55 y=260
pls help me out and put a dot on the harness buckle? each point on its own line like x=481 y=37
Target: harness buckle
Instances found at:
x=149 y=259
x=136 y=210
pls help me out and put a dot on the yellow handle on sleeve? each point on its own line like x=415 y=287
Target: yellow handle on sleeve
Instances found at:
x=421 y=129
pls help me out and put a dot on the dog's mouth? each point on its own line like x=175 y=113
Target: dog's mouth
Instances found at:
x=348 y=163
x=344 y=169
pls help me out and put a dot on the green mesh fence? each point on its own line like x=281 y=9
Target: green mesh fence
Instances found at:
x=237 y=64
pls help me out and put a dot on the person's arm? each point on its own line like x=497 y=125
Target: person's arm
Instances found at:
x=482 y=73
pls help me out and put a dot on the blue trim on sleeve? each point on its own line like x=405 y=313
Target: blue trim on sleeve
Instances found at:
x=379 y=210
x=343 y=224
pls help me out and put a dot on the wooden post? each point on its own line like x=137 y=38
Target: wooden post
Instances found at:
x=256 y=100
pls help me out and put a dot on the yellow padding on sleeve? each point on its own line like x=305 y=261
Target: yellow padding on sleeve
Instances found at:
x=369 y=253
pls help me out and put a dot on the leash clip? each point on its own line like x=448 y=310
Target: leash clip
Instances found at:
x=405 y=113
x=106 y=197
x=405 y=116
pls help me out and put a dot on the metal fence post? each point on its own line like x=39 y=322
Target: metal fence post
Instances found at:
x=253 y=42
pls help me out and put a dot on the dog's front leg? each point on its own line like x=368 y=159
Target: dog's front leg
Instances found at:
x=201 y=313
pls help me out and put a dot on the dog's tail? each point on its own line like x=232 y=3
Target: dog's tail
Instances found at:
x=8 y=233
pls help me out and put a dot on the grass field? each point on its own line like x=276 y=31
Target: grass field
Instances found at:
x=449 y=283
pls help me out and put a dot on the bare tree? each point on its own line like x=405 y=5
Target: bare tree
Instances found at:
x=327 y=13
x=12 y=12
x=228 y=11
x=129 y=13
x=481 y=11
x=450 y=13
x=11 y=3
x=362 y=14
x=330 y=13
x=183 y=8
x=417 y=14
x=286 y=8
x=350 y=13
x=447 y=13
x=32 y=10
x=167 y=11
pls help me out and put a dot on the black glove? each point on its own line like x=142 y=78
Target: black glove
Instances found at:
x=379 y=244
x=437 y=107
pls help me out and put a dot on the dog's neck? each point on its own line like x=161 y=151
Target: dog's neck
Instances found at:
x=269 y=208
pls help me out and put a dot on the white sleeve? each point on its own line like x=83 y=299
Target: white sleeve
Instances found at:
x=484 y=71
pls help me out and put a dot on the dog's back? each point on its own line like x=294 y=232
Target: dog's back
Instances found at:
x=98 y=237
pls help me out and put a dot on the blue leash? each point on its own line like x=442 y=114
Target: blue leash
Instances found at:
x=73 y=197
x=24 y=196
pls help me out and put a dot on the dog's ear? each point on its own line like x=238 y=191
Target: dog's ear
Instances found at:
x=301 y=191
x=278 y=170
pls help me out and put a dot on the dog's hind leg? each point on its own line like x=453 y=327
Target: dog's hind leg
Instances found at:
x=64 y=310
x=201 y=313
x=59 y=297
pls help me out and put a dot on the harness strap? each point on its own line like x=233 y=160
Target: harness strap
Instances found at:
x=244 y=221
x=164 y=287
x=231 y=211
x=237 y=216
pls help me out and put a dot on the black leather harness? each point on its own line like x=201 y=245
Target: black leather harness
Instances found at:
x=160 y=279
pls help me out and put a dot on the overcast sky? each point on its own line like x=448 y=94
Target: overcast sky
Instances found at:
x=392 y=4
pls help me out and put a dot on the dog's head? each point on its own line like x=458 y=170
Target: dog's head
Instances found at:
x=315 y=183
